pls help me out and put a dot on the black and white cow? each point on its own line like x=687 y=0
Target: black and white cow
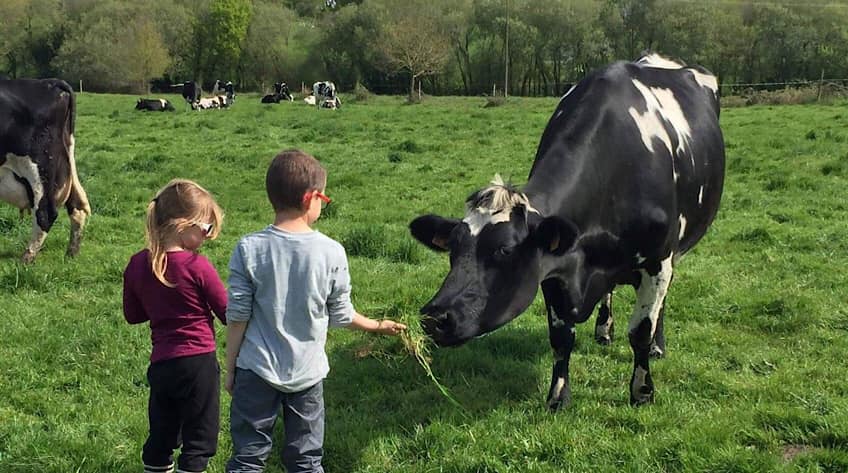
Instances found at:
x=282 y=90
x=154 y=105
x=207 y=103
x=191 y=93
x=627 y=177
x=270 y=98
x=325 y=95
x=37 y=165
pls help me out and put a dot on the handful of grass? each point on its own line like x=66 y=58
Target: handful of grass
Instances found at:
x=417 y=344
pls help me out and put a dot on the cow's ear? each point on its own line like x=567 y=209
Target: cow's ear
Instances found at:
x=433 y=231
x=555 y=235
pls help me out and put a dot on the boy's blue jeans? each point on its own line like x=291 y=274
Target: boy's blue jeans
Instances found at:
x=253 y=412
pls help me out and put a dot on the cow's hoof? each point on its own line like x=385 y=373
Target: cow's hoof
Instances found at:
x=656 y=352
x=72 y=251
x=557 y=404
x=644 y=396
x=603 y=340
x=28 y=257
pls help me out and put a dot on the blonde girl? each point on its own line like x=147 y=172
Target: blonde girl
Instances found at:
x=180 y=293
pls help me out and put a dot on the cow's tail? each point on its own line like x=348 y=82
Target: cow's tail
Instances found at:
x=77 y=199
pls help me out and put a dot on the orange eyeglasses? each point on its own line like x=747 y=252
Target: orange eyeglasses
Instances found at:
x=309 y=195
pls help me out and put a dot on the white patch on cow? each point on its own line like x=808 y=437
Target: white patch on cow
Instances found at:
x=499 y=210
x=162 y=101
x=701 y=195
x=650 y=295
x=640 y=259
x=556 y=322
x=681 y=222
x=705 y=80
x=639 y=376
x=309 y=100
x=662 y=108
x=24 y=167
x=660 y=62
x=11 y=190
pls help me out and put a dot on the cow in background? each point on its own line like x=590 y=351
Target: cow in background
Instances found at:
x=282 y=91
x=191 y=93
x=154 y=105
x=230 y=92
x=37 y=164
x=325 y=95
x=207 y=103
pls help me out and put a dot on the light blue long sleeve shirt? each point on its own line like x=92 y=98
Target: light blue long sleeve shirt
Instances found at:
x=289 y=288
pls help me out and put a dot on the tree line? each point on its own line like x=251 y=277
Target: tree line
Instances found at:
x=458 y=47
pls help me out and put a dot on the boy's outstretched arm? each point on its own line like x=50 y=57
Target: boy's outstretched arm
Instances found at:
x=385 y=326
x=235 y=335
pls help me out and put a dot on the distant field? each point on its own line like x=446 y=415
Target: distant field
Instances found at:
x=756 y=378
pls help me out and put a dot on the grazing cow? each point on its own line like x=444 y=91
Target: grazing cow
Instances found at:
x=217 y=88
x=154 y=105
x=325 y=95
x=37 y=165
x=627 y=177
x=191 y=93
x=230 y=92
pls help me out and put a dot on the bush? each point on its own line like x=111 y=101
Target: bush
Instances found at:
x=787 y=96
x=361 y=94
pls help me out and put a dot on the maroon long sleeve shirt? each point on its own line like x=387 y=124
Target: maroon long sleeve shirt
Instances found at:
x=181 y=317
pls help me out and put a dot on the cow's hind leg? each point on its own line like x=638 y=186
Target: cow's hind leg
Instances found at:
x=603 y=324
x=77 y=206
x=561 y=333
x=649 y=300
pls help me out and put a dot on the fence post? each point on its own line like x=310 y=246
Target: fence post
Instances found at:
x=493 y=89
x=821 y=83
x=80 y=88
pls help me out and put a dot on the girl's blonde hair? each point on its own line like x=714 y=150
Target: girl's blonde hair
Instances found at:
x=179 y=205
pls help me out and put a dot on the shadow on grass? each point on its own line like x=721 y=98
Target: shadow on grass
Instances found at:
x=376 y=391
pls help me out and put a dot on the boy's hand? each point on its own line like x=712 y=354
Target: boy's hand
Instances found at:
x=390 y=327
x=229 y=379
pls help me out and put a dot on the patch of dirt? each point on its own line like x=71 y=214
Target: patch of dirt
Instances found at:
x=792 y=451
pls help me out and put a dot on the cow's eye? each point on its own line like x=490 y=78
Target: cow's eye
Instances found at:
x=504 y=252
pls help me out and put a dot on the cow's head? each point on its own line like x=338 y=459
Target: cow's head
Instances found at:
x=496 y=255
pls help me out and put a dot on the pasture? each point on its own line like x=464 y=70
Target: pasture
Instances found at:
x=755 y=379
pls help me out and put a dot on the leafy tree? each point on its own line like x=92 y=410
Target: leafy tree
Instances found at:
x=146 y=55
x=219 y=34
x=266 y=56
x=414 y=42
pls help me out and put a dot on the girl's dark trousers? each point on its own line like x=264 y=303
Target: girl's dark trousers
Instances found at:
x=183 y=410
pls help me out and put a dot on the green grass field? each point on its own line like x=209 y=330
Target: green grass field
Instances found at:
x=756 y=378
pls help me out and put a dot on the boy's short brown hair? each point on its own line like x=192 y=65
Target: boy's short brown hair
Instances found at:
x=292 y=174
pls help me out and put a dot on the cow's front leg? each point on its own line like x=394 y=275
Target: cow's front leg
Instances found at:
x=36 y=241
x=649 y=300
x=561 y=333
x=658 y=345
x=42 y=220
x=603 y=324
